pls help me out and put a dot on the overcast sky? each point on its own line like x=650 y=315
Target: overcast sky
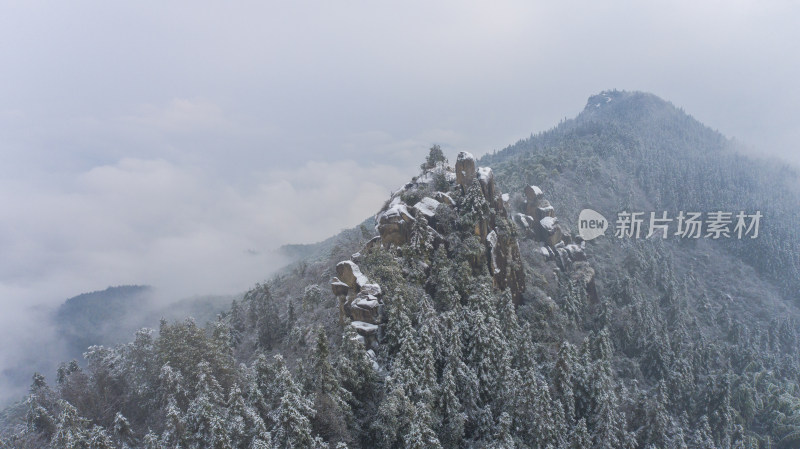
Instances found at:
x=179 y=143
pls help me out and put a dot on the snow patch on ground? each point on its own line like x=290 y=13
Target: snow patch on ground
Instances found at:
x=536 y=190
x=364 y=328
x=427 y=206
x=548 y=223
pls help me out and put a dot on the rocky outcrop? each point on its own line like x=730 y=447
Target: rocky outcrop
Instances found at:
x=465 y=169
x=500 y=237
x=443 y=197
x=503 y=204
x=505 y=261
x=539 y=220
x=427 y=208
x=568 y=253
x=548 y=230
x=349 y=273
x=575 y=252
x=364 y=308
x=395 y=223
x=372 y=243
x=340 y=290
x=358 y=298
x=532 y=195
x=544 y=209
x=525 y=223
x=368 y=332
x=482 y=228
x=486 y=179
x=413 y=211
x=372 y=289
x=498 y=229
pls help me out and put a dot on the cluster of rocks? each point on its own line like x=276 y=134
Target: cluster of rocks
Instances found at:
x=359 y=300
x=397 y=219
x=539 y=222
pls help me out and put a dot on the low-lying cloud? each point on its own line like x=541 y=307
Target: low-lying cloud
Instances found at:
x=166 y=216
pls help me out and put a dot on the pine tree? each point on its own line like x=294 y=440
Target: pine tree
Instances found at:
x=502 y=436
x=466 y=381
x=174 y=435
x=355 y=370
x=99 y=439
x=440 y=281
x=595 y=396
x=41 y=405
x=220 y=354
x=658 y=419
x=579 y=437
x=322 y=371
x=406 y=369
x=263 y=388
x=562 y=380
x=607 y=422
x=434 y=159
x=238 y=322
x=487 y=348
x=122 y=431
x=140 y=366
x=184 y=345
x=264 y=316
x=417 y=253
x=293 y=415
x=400 y=312
x=702 y=438
x=244 y=424
x=171 y=388
x=452 y=418
x=264 y=442
x=151 y=441
x=71 y=430
x=74 y=387
x=533 y=411
x=333 y=413
x=474 y=211
x=431 y=348
x=718 y=404
x=420 y=433
x=507 y=315
x=393 y=418
x=484 y=425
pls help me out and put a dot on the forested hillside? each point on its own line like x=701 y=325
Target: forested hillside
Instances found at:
x=474 y=315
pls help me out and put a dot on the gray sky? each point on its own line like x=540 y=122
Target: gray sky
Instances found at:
x=167 y=142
